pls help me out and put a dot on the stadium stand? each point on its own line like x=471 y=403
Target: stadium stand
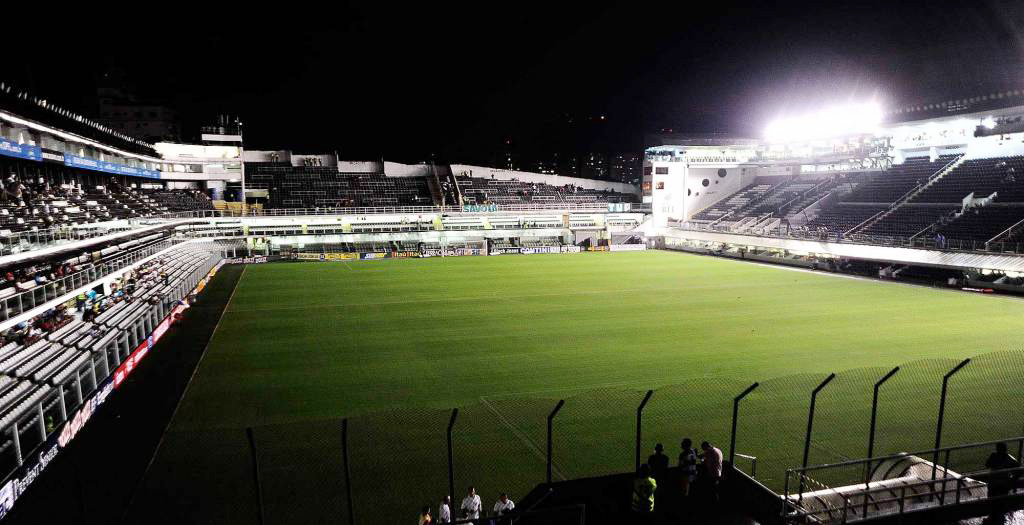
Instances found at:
x=47 y=201
x=938 y=205
x=318 y=186
x=776 y=197
x=51 y=363
x=476 y=190
x=733 y=206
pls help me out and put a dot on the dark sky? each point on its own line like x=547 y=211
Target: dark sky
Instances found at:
x=458 y=80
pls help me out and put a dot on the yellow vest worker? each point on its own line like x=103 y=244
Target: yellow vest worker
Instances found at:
x=643 y=491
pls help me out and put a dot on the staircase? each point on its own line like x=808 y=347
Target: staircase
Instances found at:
x=908 y=196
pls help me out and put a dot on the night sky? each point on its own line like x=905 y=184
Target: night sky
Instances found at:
x=457 y=81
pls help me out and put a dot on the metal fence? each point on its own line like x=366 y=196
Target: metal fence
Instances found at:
x=342 y=469
x=41 y=294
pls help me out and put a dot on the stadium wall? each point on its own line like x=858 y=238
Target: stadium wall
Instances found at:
x=721 y=183
x=395 y=169
x=887 y=254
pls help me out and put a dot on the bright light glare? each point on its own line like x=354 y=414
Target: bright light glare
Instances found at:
x=989 y=122
x=832 y=122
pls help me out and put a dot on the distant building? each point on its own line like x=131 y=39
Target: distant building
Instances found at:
x=594 y=165
x=120 y=109
x=627 y=167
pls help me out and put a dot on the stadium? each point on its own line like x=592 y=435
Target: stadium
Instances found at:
x=204 y=332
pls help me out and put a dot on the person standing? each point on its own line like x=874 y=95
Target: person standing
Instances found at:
x=712 y=459
x=643 y=492
x=444 y=510
x=425 y=518
x=687 y=466
x=471 y=505
x=658 y=462
x=503 y=505
x=1001 y=482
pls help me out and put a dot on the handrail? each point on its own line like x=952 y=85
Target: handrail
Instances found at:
x=866 y=221
x=851 y=462
x=753 y=463
x=931 y=178
x=936 y=490
x=905 y=197
x=1004 y=232
x=51 y=289
x=958 y=245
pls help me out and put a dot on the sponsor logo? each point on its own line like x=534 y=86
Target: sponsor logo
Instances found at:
x=257 y=259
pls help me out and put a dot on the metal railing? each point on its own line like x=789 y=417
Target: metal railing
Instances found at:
x=40 y=294
x=783 y=231
x=29 y=240
x=872 y=497
x=752 y=460
x=288 y=212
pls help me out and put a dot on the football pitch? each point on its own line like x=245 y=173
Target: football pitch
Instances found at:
x=394 y=345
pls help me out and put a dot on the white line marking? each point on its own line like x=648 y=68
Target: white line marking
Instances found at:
x=533 y=447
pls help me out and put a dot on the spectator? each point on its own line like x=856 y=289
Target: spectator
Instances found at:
x=1000 y=483
x=658 y=462
x=444 y=510
x=503 y=505
x=643 y=492
x=471 y=505
x=712 y=458
x=687 y=465
x=425 y=518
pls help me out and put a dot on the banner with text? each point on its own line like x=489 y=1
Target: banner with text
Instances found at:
x=108 y=167
x=10 y=148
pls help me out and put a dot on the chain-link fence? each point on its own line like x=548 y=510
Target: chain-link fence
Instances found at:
x=397 y=461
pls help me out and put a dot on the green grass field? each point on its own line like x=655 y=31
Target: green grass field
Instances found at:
x=395 y=344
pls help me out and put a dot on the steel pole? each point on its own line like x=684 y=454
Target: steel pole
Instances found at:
x=871 y=434
x=451 y=456
x=348 y=474
x=942 y=412
x=639 y=424
x=256 y=474
x=551 y=417
x=735 y=417
x=810 y=425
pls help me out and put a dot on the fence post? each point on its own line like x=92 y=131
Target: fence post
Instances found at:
x=256 y=473
x=942 y=412
x=735 y=416
x=639 y=423
x=810 y=425
x=348 y=475
x=451 y=456
x=551 y=417
x=871 y=435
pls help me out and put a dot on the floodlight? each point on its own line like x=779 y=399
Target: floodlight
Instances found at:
x=830 y=122
x=989 y=123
